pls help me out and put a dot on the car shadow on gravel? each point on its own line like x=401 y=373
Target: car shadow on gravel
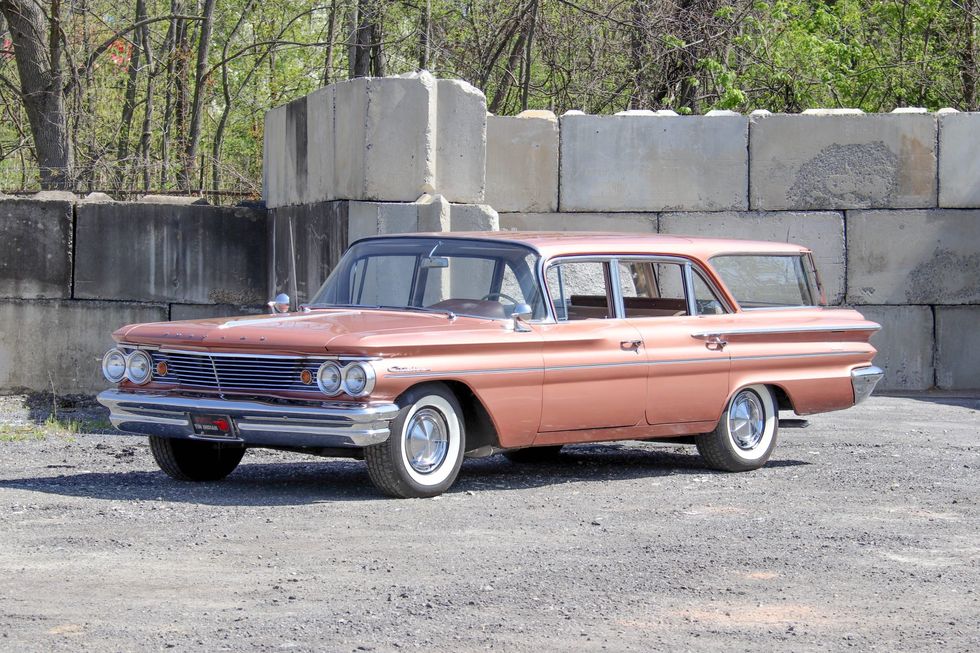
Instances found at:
x=285 y=483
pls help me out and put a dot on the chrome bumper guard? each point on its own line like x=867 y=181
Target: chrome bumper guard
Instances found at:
x=864 y=380
x=255 y=423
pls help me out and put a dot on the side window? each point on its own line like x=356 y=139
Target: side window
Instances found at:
x=652 y=289
x=706 y=299
x=579 y=290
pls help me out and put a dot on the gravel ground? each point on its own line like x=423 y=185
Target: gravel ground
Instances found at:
x=861 y=533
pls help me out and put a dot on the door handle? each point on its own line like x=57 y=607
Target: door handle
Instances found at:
x=715 y=343
x=630 y=345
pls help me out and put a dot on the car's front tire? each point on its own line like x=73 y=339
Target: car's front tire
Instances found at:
x=746 y=434
x=423 y=454
x=195 y=460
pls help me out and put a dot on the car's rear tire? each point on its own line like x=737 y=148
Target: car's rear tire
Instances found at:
x=533 y=455
x=195 y=460
x=423 y=455
x=746 y=434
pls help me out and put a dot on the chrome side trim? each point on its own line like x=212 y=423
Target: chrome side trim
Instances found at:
x=676 y=361
x=772 y=330
x=864 y=380
x=256 y=423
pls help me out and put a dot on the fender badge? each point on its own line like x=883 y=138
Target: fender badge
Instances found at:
x=401 y=369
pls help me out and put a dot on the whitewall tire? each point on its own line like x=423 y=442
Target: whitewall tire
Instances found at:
x=746 y=434
x=424 y=452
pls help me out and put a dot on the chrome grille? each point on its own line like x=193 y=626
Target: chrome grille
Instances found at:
x=233 y=372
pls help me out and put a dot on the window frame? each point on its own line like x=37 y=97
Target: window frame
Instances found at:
x=818 y=294
x=611 y=262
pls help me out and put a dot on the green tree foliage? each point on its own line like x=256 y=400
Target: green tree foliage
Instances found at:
x=128 y=108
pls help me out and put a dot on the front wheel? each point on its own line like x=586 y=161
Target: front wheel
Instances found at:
x=423 y=454
x=195 y=460
x=746 y=434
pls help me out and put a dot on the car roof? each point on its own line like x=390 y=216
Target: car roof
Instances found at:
x=571 y=243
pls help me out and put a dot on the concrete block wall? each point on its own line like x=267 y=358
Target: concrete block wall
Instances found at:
x=889 y=203
x=73 y=271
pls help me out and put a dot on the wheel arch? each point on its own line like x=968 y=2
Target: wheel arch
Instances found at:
x=477 y=421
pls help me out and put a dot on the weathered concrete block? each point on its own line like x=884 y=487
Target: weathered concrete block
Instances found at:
x=522 y=162
x=153 y=252
x=59 y=343
x=473 y=217
x=958 y=347
x=822 y=232
x=305 y=243
x=274 y=158
x=374 y=218
x=350 y=111
x=461 y=141
x=35 y=248
x=959 y=165
x=913 y=257
x=320 y=145
x=654 y=163
x=203 y=311
x=620 y=222
x=818 y=161
x=905 y=346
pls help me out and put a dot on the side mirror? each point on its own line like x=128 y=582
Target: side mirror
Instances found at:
x=521 y=314
x=280 y=304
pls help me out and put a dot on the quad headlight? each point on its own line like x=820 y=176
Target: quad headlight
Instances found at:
x=330 y=378
x=114 y=366
x=139 y=367
x=358 y=379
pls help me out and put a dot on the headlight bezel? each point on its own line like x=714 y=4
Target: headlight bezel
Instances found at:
x=105 y=365
x=135 y=355
x=369 y=378
x=340 y=375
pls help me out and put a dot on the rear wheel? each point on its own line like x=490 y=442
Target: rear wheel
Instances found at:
x=423 y=454
x=746 y=434
x=533 y=454
x=195 y=460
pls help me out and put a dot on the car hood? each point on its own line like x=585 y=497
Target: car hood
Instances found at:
x=331 y=331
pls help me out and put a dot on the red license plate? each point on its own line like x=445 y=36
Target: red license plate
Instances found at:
x=218 y=426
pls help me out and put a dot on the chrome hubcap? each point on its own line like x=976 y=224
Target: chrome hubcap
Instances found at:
x=747 y=420
x=426 y=440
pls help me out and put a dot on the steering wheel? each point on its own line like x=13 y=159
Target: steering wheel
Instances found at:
x=489 y=296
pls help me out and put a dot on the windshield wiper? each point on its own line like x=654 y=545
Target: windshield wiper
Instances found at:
x=423 y=309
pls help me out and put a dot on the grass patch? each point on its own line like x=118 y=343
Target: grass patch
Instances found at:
x=21 y=433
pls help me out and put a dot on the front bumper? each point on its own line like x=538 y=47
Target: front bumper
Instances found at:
x=864 y=380
x=255 y=423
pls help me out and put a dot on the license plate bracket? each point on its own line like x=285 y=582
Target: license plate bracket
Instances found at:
x=214 y=426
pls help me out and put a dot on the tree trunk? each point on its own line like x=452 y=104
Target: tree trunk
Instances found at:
x=331 y=35
x=424 y=27
x=362 y=38
x=200 y=79
x=129 y=103
x=37 y=51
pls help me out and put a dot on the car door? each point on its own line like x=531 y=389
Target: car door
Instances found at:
x=595 y=368
x=688 y=376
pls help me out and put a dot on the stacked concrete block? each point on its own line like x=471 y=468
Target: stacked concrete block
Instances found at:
x=905 y=346
x=959 y=162
x=957 y=353
x=161 y=253
x=821 y=231
x=304 y=244
x=826 y=160
x=36 y=240
x=643 y=162
x=57 y=345
x=620 y=222
x=461 y=141
x=522 y=162
x=913 y=257
x=320 y=157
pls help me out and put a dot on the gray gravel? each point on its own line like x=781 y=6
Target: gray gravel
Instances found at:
x=861 y=533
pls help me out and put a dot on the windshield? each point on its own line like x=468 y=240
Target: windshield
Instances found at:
x=769 y=281
x=479 y=278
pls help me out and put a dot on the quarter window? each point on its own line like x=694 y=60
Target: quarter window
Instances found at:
x=766 y=281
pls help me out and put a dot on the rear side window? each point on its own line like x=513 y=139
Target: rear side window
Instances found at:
x=767 y=281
